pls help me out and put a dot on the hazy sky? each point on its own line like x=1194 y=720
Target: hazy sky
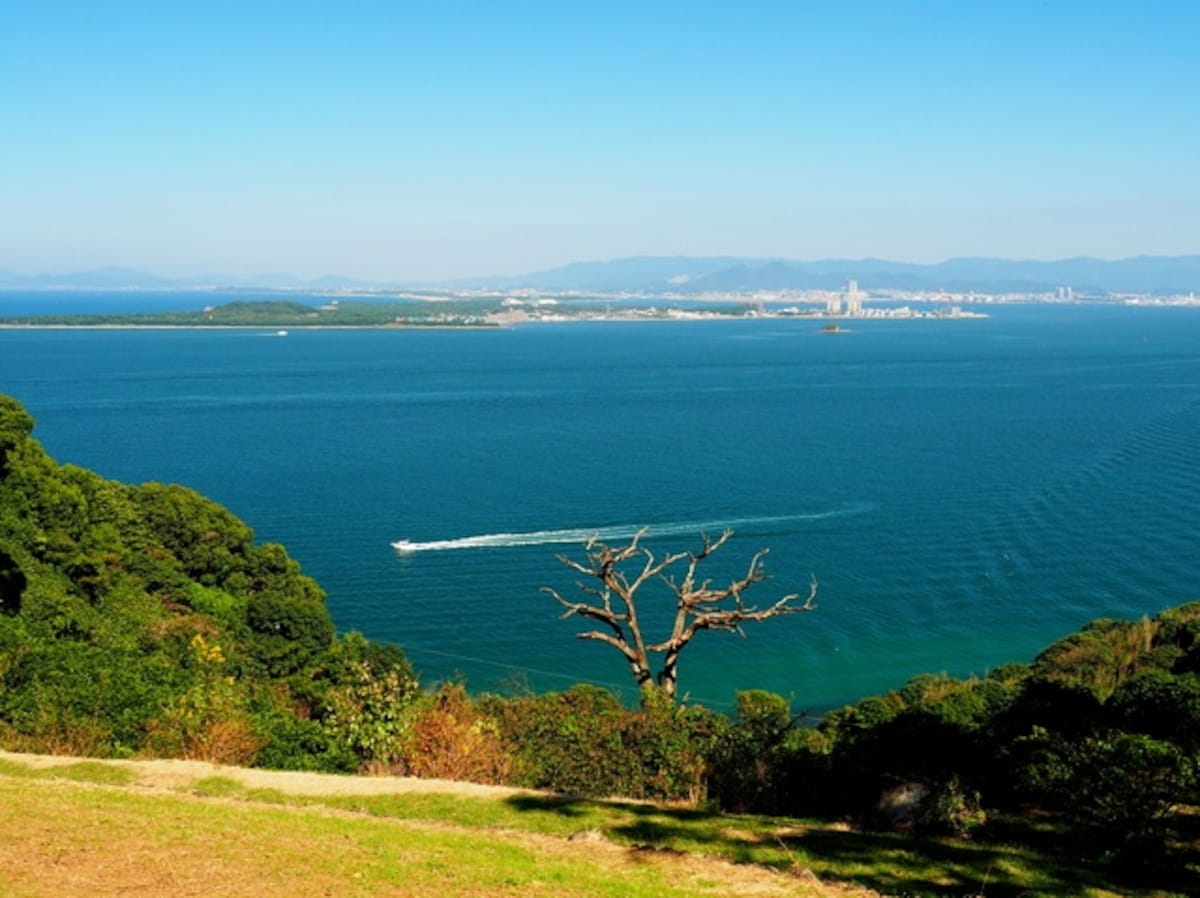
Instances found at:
x=407 y=140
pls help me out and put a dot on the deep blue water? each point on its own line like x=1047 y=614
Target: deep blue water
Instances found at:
x=964 y=491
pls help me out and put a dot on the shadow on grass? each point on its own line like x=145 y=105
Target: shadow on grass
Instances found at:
x=573 y=806
x=1021 y=859
x=563 y=805
x=892 y=864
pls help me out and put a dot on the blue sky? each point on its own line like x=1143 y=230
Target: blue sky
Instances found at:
x=413 y=140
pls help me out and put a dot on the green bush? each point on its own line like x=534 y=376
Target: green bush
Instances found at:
x=954 y=810
x=291 y=742
x=1161 y=705
x=752 y=758
x=584 y=742
x=1118 y=787
x=365 y=713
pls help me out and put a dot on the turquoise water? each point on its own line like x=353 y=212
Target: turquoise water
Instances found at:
x=964 y=491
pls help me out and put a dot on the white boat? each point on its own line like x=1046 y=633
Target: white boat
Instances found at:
x=281 y=333
x=403 y=545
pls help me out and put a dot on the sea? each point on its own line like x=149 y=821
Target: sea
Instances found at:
x=964 y=492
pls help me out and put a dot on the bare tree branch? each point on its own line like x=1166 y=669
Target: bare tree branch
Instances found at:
x=698 y=605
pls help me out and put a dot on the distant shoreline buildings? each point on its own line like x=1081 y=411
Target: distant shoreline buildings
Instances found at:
x=491 y=307
x=532 y=305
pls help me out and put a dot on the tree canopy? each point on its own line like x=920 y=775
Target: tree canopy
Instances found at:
x=146 y=619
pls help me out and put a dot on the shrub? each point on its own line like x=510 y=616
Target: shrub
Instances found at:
x=954 y=810
x=293 y=743
x=751 y=758
x=584 y=742
x=1118 y=787
x=365 y=714
x=671 y=746
x=1161 y=705
x=209 y=720
x=569 y=742
x=451 y=738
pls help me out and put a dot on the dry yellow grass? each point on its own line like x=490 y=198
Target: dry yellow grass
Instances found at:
x=155 y=838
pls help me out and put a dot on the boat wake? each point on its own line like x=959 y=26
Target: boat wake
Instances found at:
x=621 y=531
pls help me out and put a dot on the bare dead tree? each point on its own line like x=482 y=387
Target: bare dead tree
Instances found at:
x=612 y=584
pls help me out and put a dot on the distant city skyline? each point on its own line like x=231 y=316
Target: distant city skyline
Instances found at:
x=396 y=142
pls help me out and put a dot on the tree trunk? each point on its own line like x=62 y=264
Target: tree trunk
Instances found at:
x=668 y=677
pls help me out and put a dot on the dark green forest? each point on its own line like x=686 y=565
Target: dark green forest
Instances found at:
x=286 y=313
x=145 y=621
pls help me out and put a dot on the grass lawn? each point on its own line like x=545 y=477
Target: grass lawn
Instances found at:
x=98 y=828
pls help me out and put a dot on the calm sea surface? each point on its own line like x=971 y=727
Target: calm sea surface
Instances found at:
x=964 y=491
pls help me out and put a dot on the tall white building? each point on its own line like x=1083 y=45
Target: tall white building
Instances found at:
x=854 y=298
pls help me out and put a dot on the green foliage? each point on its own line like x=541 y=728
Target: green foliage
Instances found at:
x=1100 y=733
x=214 y=602
x=366 y=710
x=287 y=633
x=289 y=741
x=208 y=542
x=584 y=742
x=1179 y=633
x=208 y=720
x=954 y=810
x=146 y=620
x=1101 y=656
x=671 y=744
x=57 y=690
x=12 y=584
x=16 y=425
x=569 y=742
x=758 y=761
x=1161 y=705
x=1119 y=787
x=448 y=311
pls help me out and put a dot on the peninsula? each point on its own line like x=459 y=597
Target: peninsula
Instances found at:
x=443 y=310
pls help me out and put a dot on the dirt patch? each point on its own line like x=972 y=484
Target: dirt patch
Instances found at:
x=173 y=774
x=61 y=838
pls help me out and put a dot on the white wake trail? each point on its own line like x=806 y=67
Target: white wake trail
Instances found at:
x=614 y=532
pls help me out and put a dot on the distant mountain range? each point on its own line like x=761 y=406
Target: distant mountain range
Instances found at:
x=1141 y=274
x=113 y=278
x=719 y=274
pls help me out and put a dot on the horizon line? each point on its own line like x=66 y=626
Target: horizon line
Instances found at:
x=234 y=280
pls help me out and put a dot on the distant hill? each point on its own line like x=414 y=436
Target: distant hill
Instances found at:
x=115 y=278
x=1141 y=274
x=100 y=278
x=715 y=274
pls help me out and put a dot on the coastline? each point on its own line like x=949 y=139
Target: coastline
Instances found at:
x=492 y=325
x=253 y=327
